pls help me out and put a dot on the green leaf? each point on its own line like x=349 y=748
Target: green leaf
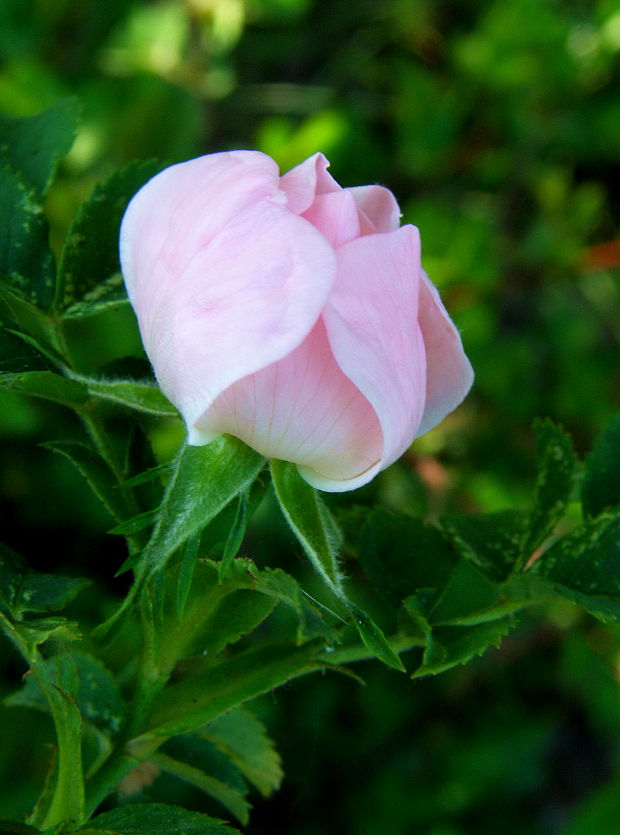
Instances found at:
x=601 y=486
x=8 y=827
x=18 y=356
x=34 y=145
x=204 y=481
x=26 y=262
x=67 y=800
x=90 y=254
x=374 y=639
x=449 y=646
x=303 y=509
x=46 y=384
x=400 y=554
x=109 y=294
x=97 y=473
x=141 y=396
x=554 y=484
x=200 y=763
x=23 y=590
x=236 y=535
x=585 y=566
x=155 y=819
x=241 y=736
x=491 y=541
x=226 y=683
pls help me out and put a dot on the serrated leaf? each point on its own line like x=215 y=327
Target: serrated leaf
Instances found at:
x=554 y=484
x=97 y=473
x=243 y=738
x=492 y=541
x=143 y=397
x=200 y=763
x=601 y=486
x=34 y=145
x=304 y=511
x=374 y=639
x=155 y=819
x=26 y=262
x=23 y=590
x=17 y=356
x=46 y=384
x=401 y=554
x=224 y=684
x=585 y=566
x=109 y=294
x=449 y=646
x=466 y=593
x=90 y=254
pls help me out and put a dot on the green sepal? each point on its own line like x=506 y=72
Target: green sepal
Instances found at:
x=143 y=397
x=305 y=512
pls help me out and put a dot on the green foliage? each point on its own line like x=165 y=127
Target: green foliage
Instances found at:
x=155 y=819
x=438 y=101
x=88 y=272
x=34 y=146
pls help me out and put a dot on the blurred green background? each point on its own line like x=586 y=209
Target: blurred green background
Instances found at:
x=497 y=126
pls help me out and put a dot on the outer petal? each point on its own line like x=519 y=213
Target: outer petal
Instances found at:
x=378 y=205
x=189 y=204
x=303 y=409
x=449 y=372
x=372 y=326
x=335 y=215
x=225 y=292
x=302 y=183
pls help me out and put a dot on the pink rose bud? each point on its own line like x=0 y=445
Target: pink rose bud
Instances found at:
x=291 y=313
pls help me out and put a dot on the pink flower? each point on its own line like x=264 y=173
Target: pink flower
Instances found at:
x=291 y=313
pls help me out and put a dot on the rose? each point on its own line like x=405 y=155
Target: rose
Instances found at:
x=291 y=313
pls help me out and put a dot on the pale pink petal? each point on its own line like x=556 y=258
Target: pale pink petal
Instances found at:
x=379 y=206
x=215 y=307
x=335 y=215
x=184 y=207
x=449 y=373
x=303 y=409
x=302 y=183
x=372 y=326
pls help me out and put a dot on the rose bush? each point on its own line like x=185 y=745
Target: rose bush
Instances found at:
x=291 y=313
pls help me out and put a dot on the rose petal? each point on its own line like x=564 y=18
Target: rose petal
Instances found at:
x=303 y=409
x=371 y=321
x=302 y=183
x=449 y=373
x=185 y=206
x=215 y=306
x=335 y=215
x=379 y=206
